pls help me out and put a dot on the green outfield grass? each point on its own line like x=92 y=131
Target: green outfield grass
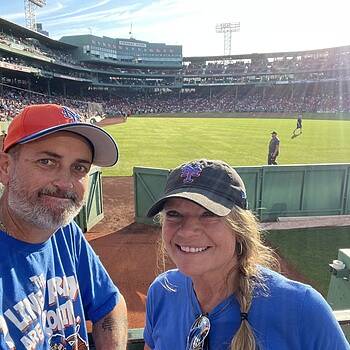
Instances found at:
x=319 y=247
x=167 y=142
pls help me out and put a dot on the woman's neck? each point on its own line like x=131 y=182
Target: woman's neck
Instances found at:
x=211 y=293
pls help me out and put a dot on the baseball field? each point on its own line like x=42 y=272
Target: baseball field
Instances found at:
x=167 y=142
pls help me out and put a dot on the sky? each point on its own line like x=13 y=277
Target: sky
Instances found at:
x=265 y=25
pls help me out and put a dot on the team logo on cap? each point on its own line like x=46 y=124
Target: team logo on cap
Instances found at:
x=189 y=171
x=68 y=113
x=244 y=204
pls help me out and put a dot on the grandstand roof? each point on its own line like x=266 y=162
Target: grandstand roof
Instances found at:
x=331 y=50
x=27 y=33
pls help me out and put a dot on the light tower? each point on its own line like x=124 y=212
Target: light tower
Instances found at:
x=130 y=32
x=29 y=12
x=228 y=29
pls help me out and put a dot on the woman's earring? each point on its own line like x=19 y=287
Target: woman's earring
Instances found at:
x=240 y=248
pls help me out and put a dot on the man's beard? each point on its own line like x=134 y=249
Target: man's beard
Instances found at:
x=29 y=206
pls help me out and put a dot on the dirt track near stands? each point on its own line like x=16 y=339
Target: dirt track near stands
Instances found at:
x=128 y=250
x=111 y=121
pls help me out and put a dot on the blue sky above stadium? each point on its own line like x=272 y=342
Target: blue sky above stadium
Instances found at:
x=266 y=26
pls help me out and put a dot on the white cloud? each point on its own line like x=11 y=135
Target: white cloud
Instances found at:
x=102 y=18
x=80 y=9
x=14 y=17
x=54 y=8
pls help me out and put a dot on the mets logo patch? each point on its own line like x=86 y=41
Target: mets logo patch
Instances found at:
x=68 y=113
x=189 y=171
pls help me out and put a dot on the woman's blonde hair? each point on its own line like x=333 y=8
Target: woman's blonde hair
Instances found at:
x=251 y=253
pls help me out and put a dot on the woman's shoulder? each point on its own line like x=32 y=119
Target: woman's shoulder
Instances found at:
x=289 y=296
x=277 y=283
x=170 y=280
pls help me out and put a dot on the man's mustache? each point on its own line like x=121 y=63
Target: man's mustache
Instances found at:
x=56 y=192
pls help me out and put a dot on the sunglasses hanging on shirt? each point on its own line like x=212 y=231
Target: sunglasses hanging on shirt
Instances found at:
x=199 y=331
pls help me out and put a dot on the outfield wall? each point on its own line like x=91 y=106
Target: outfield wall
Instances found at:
x=273 y=191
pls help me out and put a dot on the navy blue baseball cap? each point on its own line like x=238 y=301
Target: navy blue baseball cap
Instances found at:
x=213 y=184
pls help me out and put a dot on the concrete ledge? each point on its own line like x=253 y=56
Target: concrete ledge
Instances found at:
x=288 y=223
x=342 y=316
x=135 y=339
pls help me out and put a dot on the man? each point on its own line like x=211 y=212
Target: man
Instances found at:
x=51 y=281
x=274 y=147
x=300 y=121
x=299 y=125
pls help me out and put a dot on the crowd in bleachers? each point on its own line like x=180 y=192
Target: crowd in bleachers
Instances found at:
x=39 y=49
x=193 y=103
x=13 y=100
x=265 y=65
x=20 y=64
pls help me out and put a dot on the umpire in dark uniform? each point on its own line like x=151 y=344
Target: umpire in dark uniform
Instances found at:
x=274 y=148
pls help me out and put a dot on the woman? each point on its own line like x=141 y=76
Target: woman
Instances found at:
x=224 y=294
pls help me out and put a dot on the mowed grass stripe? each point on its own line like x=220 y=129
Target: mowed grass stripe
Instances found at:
x=167 y=142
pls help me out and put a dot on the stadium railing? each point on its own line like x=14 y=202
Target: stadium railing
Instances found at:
x=135 y=339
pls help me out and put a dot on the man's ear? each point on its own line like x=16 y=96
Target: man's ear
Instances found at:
x=4 y=168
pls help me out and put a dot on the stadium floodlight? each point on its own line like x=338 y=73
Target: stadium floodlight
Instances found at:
x=39 y=3
x=29 y=12
x=228 y=29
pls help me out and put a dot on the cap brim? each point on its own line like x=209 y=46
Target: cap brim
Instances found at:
x=105 y=148
x=210 y=201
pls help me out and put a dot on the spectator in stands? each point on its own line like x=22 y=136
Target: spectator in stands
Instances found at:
x=274 y=149
x=223 y=294
x=2 y=137
x=51 y=279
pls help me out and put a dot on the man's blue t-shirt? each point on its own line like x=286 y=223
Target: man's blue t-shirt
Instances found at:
x=49 y=290
x=288 y=315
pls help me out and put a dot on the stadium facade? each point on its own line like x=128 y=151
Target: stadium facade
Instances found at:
x=87 y=66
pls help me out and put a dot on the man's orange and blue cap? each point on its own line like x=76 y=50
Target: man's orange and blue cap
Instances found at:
x=36 y=121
